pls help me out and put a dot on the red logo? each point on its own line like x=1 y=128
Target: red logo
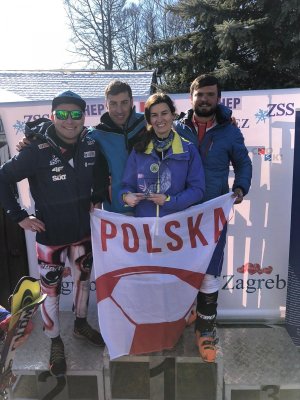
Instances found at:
x=67 y=272
x=254 y=269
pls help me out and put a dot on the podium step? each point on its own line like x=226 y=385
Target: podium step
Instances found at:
x=260 y=363
x=84 y=378
x=253 y=363
x=178 y=374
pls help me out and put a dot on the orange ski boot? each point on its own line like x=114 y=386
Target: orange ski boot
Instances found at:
x=206 y=342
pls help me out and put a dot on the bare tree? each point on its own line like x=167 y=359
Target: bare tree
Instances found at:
x=150 y=22
x=130 y=43
x=173 y=25
x=159 y=22
x=110 y=34
x=96 y=29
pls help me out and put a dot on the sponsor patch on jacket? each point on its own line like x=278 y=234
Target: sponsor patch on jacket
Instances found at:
x=43 y=145
x=57 y=169
x=87 y=164
x=60 y=177
x=90 y=141
x=55 y=160
x=89 y=154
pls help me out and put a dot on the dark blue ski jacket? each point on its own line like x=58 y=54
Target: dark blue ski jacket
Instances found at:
x=62 y=193
x=223 y=145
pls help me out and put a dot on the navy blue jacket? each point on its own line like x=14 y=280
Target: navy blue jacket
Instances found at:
x=62 y=193
x=222 y=145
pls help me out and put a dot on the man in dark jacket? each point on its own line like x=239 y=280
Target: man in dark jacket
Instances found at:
x=221 y=144
x=66 y=174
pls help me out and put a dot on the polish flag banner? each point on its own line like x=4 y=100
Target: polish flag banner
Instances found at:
x=148 y=272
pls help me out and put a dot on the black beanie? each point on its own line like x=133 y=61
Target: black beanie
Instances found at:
x=68 y=97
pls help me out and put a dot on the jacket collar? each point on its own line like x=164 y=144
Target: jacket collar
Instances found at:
x=223 y=115
x=177 y=147
x=106 y=120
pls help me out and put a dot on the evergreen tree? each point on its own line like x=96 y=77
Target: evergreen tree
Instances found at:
x=247 y=44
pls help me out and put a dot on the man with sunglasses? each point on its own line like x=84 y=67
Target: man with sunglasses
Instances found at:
x=67 y=175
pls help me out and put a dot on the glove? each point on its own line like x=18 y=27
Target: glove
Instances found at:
x=239 y=195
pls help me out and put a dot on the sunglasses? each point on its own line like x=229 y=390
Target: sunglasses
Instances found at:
x=64 y=115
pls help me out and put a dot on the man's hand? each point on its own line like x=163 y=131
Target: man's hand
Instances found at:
x=233 y=121
x=32 y=224
x=96 y=205
x=239 y=195
x=22 y=143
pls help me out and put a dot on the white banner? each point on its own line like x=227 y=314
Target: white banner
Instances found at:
x=148 y=273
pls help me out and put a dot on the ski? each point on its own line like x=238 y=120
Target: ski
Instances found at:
x=24 y=301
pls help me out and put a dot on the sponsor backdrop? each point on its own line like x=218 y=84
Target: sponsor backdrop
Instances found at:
x=254 y=279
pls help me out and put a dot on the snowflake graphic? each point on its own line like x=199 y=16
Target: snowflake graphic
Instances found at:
x=261 y=115
x=19 y=126
x=268 y=157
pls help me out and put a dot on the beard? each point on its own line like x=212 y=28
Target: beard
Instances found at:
x=205 y=113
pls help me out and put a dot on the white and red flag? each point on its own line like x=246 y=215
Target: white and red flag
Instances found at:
x=148 y=272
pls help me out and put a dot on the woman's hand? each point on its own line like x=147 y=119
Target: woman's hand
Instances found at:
x=157 y=198
x=132 y=199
